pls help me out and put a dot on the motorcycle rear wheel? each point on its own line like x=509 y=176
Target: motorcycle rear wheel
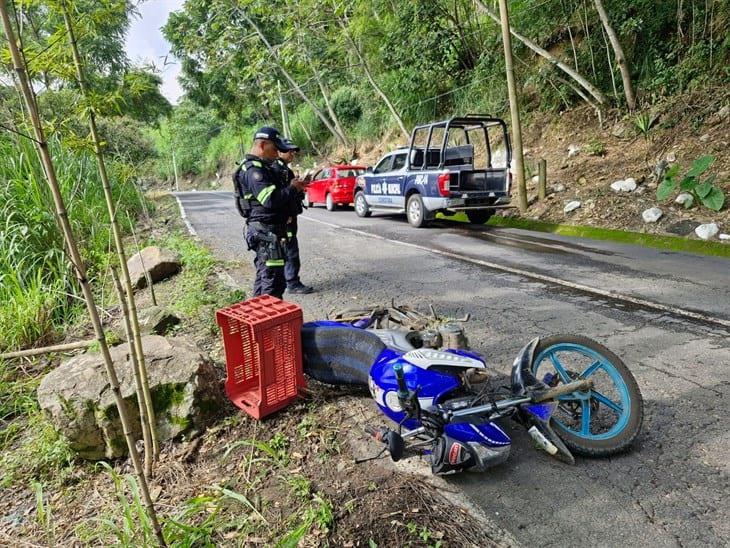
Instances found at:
x=603 y=421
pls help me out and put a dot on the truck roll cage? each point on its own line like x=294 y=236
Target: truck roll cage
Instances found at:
x=468 y=123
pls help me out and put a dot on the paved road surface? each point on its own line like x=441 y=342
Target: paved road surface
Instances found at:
x=672 y=489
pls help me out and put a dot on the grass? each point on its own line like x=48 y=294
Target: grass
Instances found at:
x=38 y=291
x=669 y=243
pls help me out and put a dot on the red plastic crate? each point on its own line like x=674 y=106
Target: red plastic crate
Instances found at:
x=262 y=340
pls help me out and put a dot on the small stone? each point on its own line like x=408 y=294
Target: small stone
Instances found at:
x=682 y=228
x=651 y=184
x=725 y=237
x=685 y=198
x=652 y=215
x=559 y=188
x=570 y=206
x=625 y=185
x=535 y=179
x=573 y=150
x=582 y=181
x=707 y=231
x=618 y=130
x=671 y=157
x=704 y=138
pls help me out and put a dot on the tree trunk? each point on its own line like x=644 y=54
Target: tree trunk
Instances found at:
x=144 y=397
x=376 y=87
x=623 y=65
x=77 y=261
x=513 y=106
x=585 y=84
x=291 y=80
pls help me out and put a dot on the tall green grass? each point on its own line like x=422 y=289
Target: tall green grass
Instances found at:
x=38 y=291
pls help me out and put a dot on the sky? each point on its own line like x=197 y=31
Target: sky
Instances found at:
x=146 y=44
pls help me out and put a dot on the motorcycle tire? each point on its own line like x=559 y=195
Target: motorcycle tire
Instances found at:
x=596 y=405
x=339 y=355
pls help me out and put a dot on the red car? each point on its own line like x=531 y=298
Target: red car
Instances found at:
x=333 y=186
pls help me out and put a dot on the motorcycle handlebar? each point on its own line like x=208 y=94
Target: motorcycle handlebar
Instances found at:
x=400 y=379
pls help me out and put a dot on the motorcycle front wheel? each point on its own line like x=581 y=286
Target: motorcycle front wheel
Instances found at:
x=604 y=420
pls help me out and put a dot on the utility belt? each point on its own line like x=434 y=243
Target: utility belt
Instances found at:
x=269 y=242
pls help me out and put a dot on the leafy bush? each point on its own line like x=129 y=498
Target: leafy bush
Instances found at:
x=705 y=192
x=346 y=104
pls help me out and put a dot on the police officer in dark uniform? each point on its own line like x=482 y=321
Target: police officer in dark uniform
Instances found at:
x=293 y=263
x=266 y=203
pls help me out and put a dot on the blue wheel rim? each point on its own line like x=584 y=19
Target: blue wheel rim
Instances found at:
x=599 y=362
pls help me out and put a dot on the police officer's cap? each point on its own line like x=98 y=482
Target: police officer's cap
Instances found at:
x=290 y=146
x=271 y=134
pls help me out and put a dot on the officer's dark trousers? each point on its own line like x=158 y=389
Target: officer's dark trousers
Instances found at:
x=291 y=268
x=270 y=279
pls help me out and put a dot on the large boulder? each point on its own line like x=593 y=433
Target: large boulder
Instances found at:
x=160 y=263
x=79 y=401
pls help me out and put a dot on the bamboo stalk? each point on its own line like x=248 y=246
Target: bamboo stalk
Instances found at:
x=146 y=432
x=76 y=260
x=131 y=305
x=47 y=349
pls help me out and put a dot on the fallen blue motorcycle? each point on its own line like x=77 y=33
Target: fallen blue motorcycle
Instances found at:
x=572 y=394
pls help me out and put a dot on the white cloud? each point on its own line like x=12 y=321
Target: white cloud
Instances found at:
x=146 y=45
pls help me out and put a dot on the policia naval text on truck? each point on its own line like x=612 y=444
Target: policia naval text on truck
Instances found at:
x=266 y=203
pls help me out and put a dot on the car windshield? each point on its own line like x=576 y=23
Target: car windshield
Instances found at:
x=349 y=172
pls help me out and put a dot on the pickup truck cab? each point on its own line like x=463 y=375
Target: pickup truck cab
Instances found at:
x=449 y=166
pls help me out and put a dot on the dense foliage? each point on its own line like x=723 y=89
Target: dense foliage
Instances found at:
x=38 y=292
x=433 y=58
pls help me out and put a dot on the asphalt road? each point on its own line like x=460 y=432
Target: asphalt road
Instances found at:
x=672 y=488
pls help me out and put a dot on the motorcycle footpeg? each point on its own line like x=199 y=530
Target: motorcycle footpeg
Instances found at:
x=392 y=440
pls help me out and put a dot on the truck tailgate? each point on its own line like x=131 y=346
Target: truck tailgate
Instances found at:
x=487 y=180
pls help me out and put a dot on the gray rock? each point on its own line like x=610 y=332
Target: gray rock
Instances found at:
x=160 y=263
x=78 y=400
x=652 y=215
x=573 y=150
x=625 y=185
x=685 y=199
x=559 y=188
x=619 y=130
x=725 y=237
x=704 y=138
x=156 y=320
x=571 y=206
x=671 y=157
x=707 y=231
x=682 y=228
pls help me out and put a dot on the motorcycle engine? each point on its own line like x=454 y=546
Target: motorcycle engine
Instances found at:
x=453 y=337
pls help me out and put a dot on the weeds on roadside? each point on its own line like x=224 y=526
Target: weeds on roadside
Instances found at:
x=644 y=123
x=702 y=191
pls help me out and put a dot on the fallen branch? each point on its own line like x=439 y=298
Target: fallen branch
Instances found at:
x=47 y=349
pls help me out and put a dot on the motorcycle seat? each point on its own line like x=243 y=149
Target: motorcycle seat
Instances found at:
x=427 y=358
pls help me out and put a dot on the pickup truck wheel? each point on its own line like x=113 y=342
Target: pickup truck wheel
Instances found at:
x=361 y=206
x=415 y=211
x=329 y=203
x=479 y=217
